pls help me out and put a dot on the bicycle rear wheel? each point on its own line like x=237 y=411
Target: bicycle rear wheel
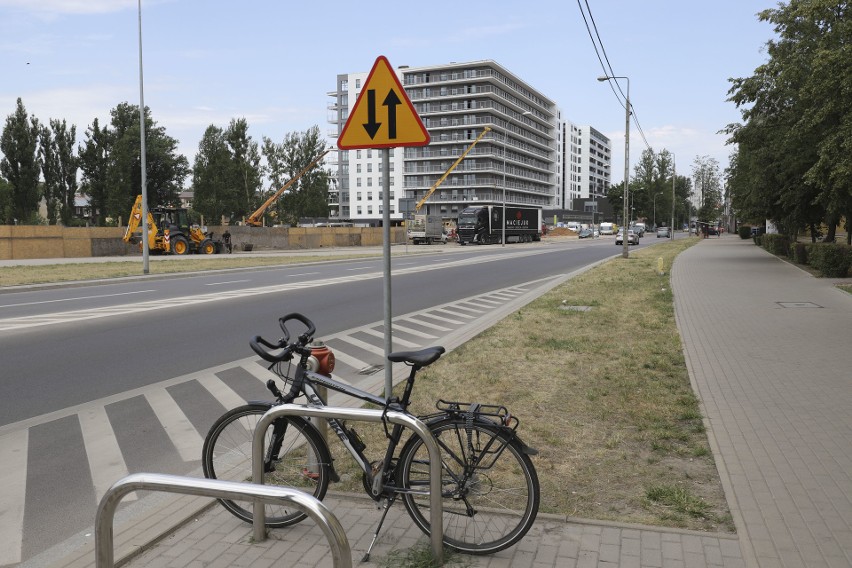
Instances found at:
x=303 y=461
x=490 y=487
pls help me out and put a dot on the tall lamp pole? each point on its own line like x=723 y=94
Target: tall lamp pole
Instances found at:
x=625 y=252
x=503 y=237
x=674 y=177
x=144 y=220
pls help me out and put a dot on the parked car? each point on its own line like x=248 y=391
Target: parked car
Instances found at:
x=632 y=238
x=663 y=232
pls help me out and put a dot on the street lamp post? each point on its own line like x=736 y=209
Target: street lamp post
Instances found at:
x=625 y=252
x=505 y=138
x=503 y=236
x=674 y=177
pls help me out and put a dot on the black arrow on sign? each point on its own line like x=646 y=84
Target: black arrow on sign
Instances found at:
x=372 y=126
x=391 y=101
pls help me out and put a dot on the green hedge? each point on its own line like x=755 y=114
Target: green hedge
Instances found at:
x=831 y=259
x=799 y=253
x=777 y=244
x=744 y=231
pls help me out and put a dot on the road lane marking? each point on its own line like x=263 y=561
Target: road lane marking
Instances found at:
x=98 y=297
x=13 y=479
x=226 y=282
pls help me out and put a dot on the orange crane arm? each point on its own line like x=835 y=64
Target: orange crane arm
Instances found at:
x=447 y=173
x=255 y=219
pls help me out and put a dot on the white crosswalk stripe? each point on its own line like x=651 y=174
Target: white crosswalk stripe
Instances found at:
x=105 y=459
x=13 y=483
x=180 y=430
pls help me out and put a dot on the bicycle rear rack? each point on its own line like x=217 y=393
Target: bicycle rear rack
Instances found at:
x=308 y=504
x=436 y=511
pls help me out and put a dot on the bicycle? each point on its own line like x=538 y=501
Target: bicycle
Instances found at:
x=490 y=486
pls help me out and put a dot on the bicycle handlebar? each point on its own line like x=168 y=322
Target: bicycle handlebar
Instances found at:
x=264 y=348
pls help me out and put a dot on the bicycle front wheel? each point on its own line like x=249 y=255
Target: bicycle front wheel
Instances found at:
x=489 y=486
x=303 y=462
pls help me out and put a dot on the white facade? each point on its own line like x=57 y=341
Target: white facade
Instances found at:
x=529 y=157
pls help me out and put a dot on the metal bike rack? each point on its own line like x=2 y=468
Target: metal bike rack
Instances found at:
x=436 y=510
x=308 y=504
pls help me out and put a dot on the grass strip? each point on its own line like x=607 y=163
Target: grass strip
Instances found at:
x=603 y=394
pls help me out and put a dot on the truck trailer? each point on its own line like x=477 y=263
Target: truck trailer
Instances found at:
x=484 y=224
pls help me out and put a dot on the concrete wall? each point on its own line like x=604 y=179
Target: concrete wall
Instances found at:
x=40 y=241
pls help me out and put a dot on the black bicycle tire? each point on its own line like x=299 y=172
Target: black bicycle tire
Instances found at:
x=243 y=510
x=454 y=532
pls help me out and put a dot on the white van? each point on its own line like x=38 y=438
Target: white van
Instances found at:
x=607 y=228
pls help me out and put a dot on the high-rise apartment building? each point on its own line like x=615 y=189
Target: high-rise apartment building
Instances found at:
x=528 y=157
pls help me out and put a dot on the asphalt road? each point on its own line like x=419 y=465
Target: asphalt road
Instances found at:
x=103 y=380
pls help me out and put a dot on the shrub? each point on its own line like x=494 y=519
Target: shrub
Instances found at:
x=832 y=260
x=758 y=240
x=799 y=253
x=744 y=231
x=778 y=245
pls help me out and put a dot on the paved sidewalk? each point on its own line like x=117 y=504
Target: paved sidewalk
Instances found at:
x=769 y=353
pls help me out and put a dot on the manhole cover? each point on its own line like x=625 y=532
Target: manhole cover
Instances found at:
x=798 y=305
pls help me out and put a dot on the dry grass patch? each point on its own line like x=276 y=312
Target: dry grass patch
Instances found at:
x=604 y=395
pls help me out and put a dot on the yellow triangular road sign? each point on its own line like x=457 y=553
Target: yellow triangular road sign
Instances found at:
x=383 y=116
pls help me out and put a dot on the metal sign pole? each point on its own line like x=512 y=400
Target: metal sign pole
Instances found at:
x=386 y=233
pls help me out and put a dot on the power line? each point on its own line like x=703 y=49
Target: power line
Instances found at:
x=607 y=67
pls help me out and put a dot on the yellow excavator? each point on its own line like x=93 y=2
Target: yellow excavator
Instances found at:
x=169 y=231
x=256 y=218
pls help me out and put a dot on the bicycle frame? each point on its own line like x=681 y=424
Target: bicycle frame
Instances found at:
x=309 y=380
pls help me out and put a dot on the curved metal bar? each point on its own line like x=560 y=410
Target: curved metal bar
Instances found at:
x=308 y=504
x=436 y=510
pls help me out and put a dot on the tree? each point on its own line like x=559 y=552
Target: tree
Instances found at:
x=227 y=172
x=165 y=169
x=93 y=159
x=794 y=158
x=708 y=185
x=213 y=176
x=308 y=197
x=5 y=201
x=50 y=172
x=68 y=166
x=246 y=159
x=20 y=164
x=59 y=170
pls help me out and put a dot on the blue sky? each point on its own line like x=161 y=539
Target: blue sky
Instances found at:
x=274 y=62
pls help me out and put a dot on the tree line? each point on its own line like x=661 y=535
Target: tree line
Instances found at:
x=655 y=190
x=793 y=158
x=42 y=162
